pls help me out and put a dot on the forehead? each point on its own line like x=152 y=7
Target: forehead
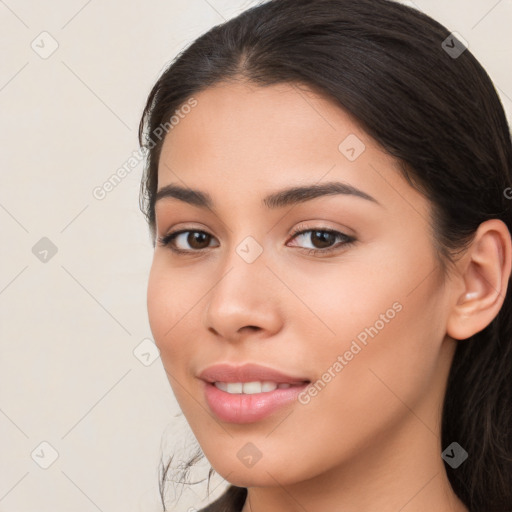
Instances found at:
x=241 y=140
x=280 y=116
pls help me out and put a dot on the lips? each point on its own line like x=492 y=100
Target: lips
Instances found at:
x=248 y=373
x=234 y=406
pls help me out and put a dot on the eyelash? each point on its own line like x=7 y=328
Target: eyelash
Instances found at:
x=347 y=240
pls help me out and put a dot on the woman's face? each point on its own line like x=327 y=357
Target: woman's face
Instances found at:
x=363 y=319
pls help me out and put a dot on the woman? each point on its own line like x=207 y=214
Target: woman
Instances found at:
x=327 y=186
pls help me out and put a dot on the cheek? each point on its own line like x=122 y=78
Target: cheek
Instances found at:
x=387 y=326
x=355 y=300
x=369 y=396
x=158 y=297
x=168 y=304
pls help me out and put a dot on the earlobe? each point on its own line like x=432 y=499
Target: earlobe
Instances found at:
x=484 y=273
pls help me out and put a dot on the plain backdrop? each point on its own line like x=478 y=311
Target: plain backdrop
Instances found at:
x=86 y=410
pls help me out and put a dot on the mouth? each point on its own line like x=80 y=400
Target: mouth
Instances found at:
x=248 y=393
x=255 y=387
x=249 y=373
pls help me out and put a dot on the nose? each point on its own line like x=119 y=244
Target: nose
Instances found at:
x=244 y=300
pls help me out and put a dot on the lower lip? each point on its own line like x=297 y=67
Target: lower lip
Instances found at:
x=242 y=408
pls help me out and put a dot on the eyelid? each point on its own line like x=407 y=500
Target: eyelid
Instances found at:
x=320 y=226
x=302 y=229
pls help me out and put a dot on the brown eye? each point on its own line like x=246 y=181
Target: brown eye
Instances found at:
x=196 y=239
x=322 y=240
x=189 y=240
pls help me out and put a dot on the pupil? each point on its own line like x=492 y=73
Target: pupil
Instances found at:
x=196 y=237
x=324 y=237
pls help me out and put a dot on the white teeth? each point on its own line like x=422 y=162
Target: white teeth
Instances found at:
x=234 y=387
x=249 y=388
x=221 y=385
x=268 y=386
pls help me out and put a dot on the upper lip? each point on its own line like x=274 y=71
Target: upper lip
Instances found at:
x=248 y=372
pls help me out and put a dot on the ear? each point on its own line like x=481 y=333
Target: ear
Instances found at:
x=482 y=280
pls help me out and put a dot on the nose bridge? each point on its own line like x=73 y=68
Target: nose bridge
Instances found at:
x=244 y=273
x=243 y=295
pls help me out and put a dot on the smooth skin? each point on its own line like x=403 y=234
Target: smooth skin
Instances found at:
x=370 y=439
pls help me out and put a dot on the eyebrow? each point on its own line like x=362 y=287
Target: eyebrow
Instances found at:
x=279 y=199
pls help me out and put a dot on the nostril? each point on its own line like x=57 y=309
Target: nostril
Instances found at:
x=252 y=327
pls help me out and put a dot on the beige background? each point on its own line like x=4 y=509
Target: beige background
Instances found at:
x=75 y=340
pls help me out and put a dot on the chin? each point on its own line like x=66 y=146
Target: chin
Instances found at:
x=248 y=478
x=261 y=474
